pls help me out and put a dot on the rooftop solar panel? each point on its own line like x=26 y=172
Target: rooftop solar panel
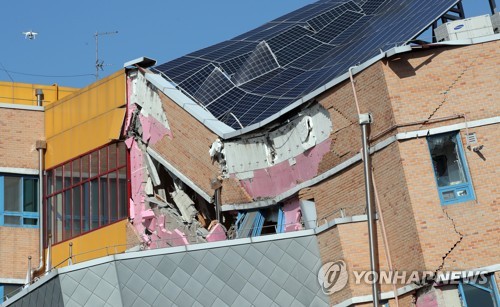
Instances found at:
x=256 y=74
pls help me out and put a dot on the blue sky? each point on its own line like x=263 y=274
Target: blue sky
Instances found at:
x=64 y=50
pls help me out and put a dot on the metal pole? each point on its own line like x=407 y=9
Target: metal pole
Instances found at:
x=365 y=120
x=96 y=35
x=493 y=7
x=48 y=262
x=39 y=97
x=70 y=260
x=30 y=272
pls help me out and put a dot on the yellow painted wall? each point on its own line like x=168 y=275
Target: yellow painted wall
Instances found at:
x=85 y=120
x=24 y=93
x=92 y=245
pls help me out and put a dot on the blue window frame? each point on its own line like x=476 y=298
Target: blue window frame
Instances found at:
x=450 y=168
x=476 y=294
x=9 y=290
x=18 y=201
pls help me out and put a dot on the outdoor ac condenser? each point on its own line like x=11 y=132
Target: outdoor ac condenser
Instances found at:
x=465 y=28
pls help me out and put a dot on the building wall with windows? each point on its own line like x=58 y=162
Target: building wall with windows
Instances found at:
x=86 y=162
x=21 y=125
x=437 y=189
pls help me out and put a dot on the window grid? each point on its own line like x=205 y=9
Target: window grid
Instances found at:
x=25 y=217
x=74 y=196
x=456 y=192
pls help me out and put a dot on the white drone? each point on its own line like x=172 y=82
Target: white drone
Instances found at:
x=30 y=35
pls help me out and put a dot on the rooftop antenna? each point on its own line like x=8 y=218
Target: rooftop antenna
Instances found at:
x=100 y=64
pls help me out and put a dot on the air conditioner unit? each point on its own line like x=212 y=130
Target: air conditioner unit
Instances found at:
x=465 y=28
x=495 y=22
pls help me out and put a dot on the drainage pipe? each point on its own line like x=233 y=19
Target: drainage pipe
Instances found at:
x=365 y=120
x=40 y=146
x=384 y=237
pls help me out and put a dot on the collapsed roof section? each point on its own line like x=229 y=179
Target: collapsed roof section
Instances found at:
x=245 y=81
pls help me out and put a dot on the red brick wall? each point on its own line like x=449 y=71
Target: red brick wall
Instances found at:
x=187 y=151
x=445 y=81
x=16 y=244
x=430 y=84
x=19 y=131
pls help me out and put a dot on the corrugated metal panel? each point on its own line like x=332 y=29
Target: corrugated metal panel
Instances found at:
x=85 y=120
x=24 y=93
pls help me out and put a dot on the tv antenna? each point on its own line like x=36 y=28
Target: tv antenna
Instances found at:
x=99 y=64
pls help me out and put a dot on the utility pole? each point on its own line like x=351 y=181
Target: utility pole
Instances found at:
x=99 y=65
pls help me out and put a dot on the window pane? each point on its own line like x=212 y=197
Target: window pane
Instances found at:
x=58 y=229
x=94 y=164
x=76 y=214
x=112 y=156
x=50 y=182
x=67 y=215
x=67 y=175
x=448 y=166
x=12 y=220
x=30 y=195
x=86 y=206
x=85 y=167
x=59 y=178
x=103 y=204
x=76 y=171
x=477 y=297
x=103 y=163
x=113 y=197
x=49 y=219
x=122 y=154
x=30 y=221
x=94 y=197
x=12 y=189
x=122 y=201
x=11 y=289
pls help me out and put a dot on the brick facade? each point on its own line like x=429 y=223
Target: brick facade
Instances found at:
x=20 y=131
x=15 y=247
x=441 y=84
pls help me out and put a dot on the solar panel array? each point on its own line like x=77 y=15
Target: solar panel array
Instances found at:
x=257 y=74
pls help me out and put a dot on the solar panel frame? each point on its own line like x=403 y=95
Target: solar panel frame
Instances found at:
x=279 y=63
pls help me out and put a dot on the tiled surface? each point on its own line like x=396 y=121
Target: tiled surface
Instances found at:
x=271 y=273
x=47 y=295
x=92 y=286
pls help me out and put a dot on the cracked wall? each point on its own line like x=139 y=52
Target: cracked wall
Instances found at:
x=276 y=159
x=164 y=211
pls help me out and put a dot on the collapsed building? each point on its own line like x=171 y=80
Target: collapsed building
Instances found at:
x=248 y=153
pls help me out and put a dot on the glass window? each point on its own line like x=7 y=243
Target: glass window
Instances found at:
x=85 y=168
x=77 y=212
x=18 y=200
x=103 y=200
x=94 y=164
x=76 y=171
x=90 y=192
x=94 y=201
x=30 y=196
x=59 y=178
x=112 y=156
x=67 y=215
x=86 y=206
x=12 y=194
x=483 y=293
x=59 y=218
x=103 y=160
x=9 y=290
x=450 y=168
